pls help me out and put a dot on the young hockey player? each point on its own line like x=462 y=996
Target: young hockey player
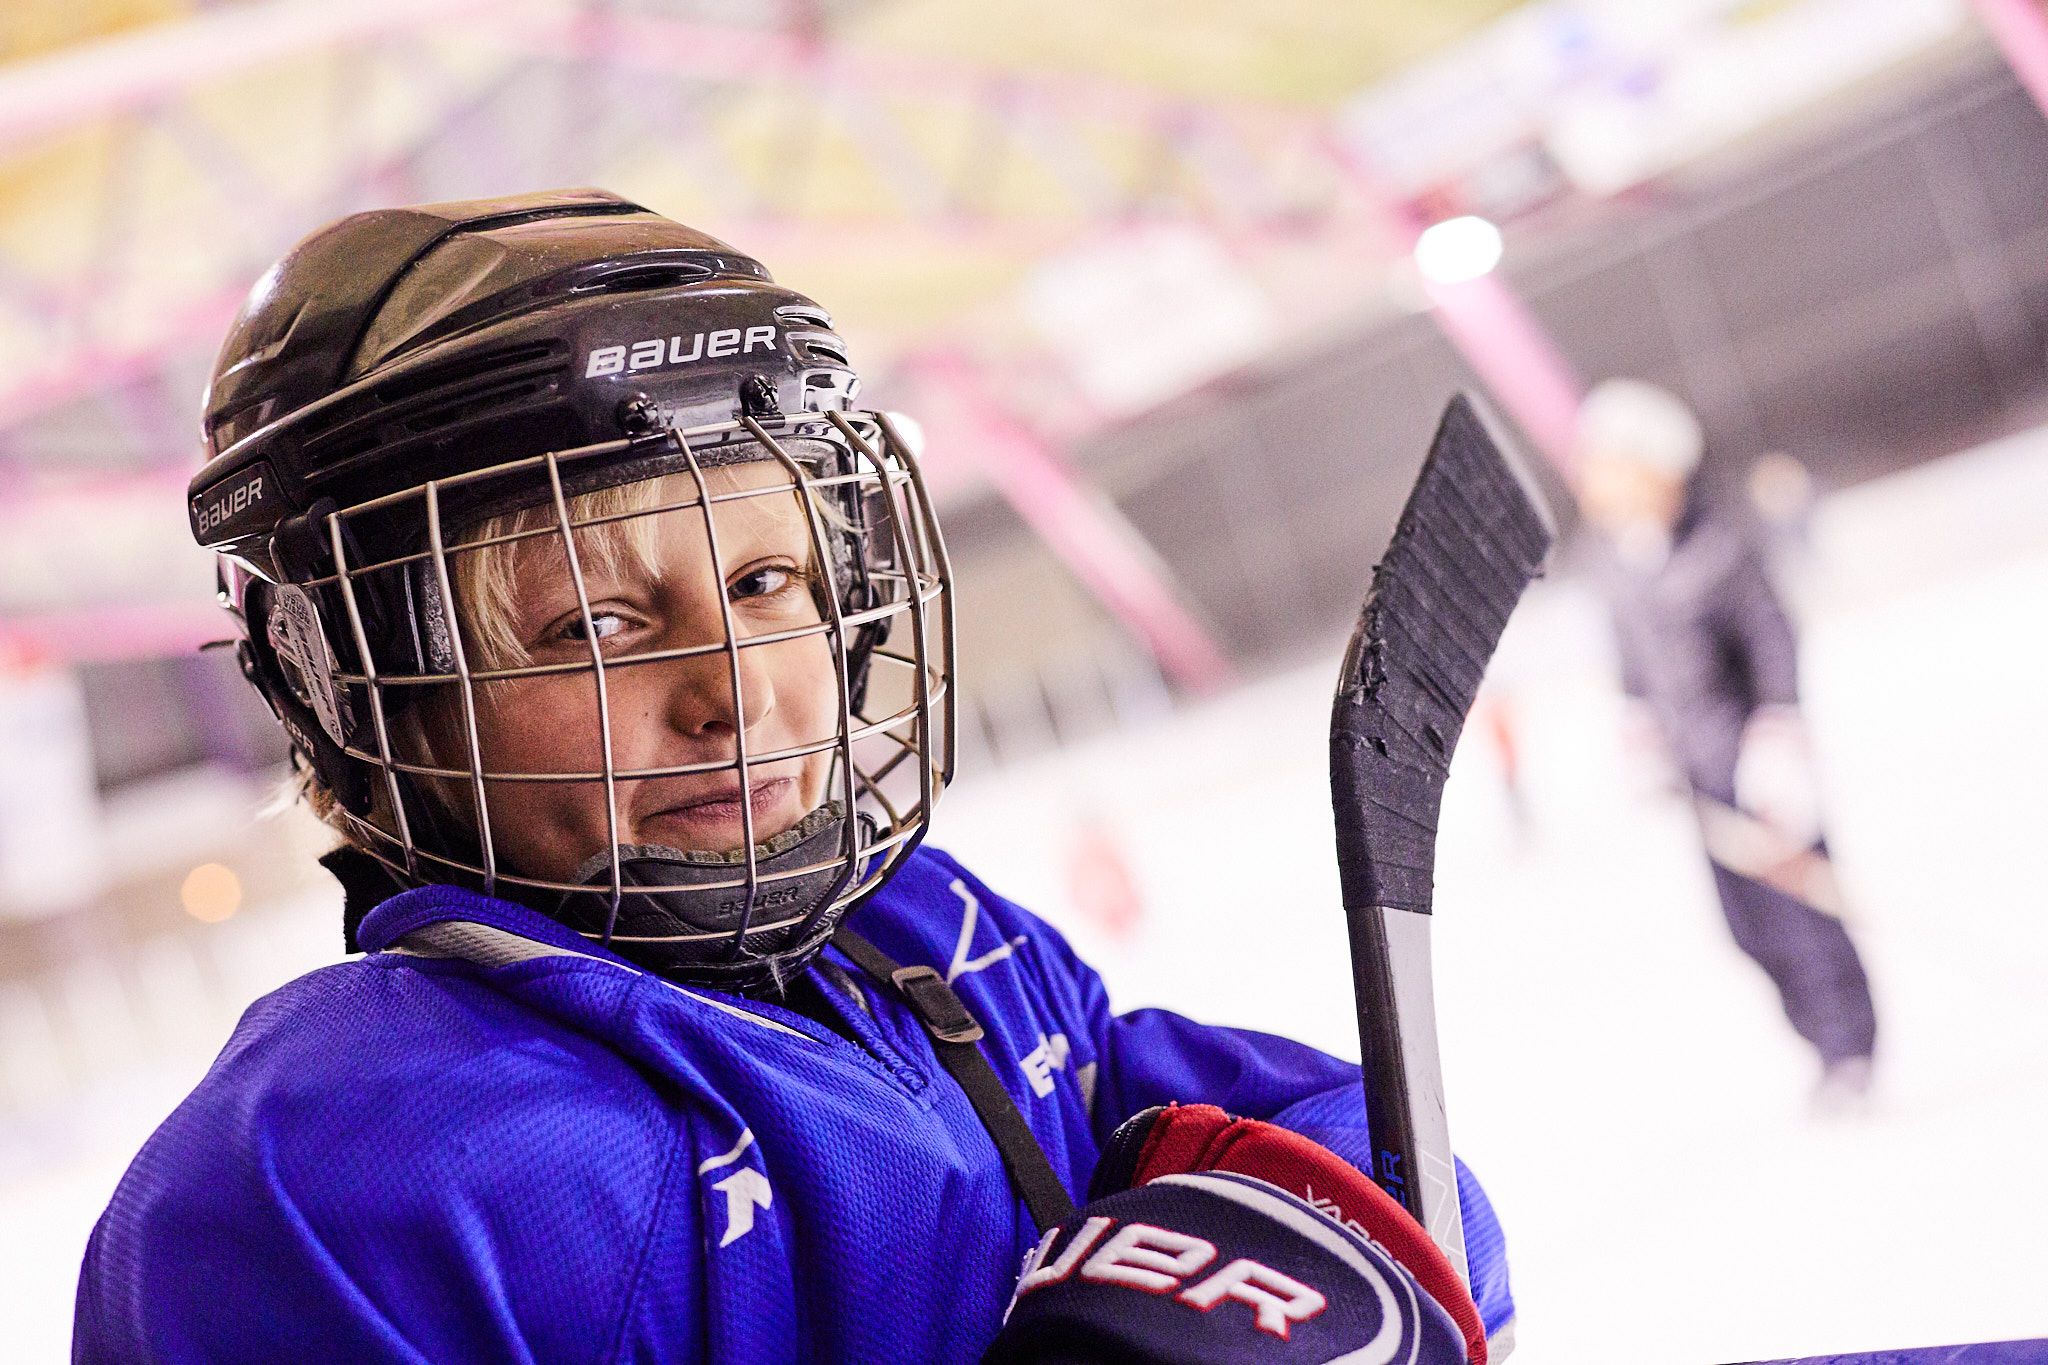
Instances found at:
x=1709 y=652
x=614 y=639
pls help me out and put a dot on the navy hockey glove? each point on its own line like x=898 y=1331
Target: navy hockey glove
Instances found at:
x=1210 y=1238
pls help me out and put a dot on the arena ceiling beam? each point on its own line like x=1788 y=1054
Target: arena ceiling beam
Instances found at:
x=1260 y=177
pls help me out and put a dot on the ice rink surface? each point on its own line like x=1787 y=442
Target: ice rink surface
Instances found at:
x=1619 y=1075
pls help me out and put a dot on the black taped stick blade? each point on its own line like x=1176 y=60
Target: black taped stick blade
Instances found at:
x=1473 y=535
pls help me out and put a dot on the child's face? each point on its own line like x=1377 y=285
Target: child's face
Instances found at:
x=667 y=712
x=1618 y=493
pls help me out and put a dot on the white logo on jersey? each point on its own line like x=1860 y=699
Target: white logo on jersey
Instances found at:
x=962 y=963
x=654 y=353
x=745 y=1190
x=1049 y=1056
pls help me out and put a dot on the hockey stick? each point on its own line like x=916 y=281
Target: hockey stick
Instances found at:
x=1474 y=533
x=1746 y=845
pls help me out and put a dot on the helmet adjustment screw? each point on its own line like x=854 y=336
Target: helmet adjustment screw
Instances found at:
x=637 y=414
x=757 y=397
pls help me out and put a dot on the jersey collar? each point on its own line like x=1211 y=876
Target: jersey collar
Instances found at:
x=424 y=905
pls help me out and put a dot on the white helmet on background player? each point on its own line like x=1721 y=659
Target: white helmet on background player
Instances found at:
x=1642 y=423
x=1636 y=448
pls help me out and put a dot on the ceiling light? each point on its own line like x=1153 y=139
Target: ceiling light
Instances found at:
x=1457 y=250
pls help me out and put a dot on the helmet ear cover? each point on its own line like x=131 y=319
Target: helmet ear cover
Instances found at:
x=281 y=681
x=298 y=638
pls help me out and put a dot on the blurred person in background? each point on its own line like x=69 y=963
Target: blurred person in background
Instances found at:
x=613 y=640
x=1709 y=653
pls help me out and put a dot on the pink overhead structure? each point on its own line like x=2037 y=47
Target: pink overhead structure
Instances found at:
x=1081 y=525
x=143 y=75
x=652 y=41
x=1270 y=179
x=2021 y=28
x=1520 y=364
x=92 y=367
x=140 y=69
x=133 y=71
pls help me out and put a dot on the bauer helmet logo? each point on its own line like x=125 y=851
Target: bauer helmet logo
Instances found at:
x=659 y=353
x=228 y=503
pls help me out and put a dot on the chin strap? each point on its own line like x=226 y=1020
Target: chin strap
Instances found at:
x=956 y=1038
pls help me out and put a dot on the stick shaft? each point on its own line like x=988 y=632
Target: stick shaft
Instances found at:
x=1404 y=1084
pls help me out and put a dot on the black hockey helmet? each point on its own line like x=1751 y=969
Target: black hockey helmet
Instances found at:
x=404 y=375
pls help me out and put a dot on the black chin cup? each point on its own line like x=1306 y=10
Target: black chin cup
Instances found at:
x=680 y=916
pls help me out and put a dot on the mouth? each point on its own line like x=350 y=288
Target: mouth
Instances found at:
x=718 y=813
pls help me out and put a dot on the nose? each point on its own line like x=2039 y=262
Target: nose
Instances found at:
x=701 y=701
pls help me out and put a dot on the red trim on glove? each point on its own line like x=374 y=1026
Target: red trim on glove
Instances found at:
x=1201 y=1137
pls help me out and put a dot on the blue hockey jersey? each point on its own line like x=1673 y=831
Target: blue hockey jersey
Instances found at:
x=491 y=1139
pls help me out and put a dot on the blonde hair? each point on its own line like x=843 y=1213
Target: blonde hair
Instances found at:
x=486 y=579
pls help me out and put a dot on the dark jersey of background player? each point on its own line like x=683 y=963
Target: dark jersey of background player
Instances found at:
x=1707 y=646
x=1704 y=641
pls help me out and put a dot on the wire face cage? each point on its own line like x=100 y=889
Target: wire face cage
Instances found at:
x=689 y=692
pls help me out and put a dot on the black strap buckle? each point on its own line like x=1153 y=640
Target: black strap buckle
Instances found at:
x=944 y=1013
x=948 y=1020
